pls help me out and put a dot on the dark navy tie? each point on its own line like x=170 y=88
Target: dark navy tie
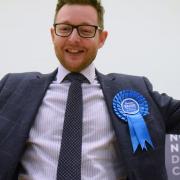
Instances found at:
x=69 y=164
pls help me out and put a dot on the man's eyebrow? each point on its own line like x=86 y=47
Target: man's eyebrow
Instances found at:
x=83 y=23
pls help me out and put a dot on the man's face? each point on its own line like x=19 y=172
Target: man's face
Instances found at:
x=74 y=52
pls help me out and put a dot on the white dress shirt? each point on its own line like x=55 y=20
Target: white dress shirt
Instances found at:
x=99 y=157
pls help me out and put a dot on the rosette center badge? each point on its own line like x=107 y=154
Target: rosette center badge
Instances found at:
x=131 y=106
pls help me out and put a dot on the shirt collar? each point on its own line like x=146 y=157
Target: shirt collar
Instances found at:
x=88 y=72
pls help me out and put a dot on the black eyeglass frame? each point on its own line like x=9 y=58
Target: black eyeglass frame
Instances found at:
x=76 y=27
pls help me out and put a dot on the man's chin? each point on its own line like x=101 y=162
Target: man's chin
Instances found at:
x=74 y=68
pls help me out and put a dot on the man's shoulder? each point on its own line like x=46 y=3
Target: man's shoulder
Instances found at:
x=125 y=76
x=12 y=80
x=26 y=76
x=21 y=76
x=129 y=80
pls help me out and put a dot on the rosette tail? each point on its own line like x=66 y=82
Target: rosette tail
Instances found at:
x=139 y=132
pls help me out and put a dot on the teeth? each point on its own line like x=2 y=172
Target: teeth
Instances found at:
x=74 y=50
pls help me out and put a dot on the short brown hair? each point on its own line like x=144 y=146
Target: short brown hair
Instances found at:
x=94 y=3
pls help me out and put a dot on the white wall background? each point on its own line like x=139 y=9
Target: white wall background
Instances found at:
x=144 y=39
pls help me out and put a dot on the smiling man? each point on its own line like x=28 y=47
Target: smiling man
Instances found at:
x=82 y=36
x=76 y=123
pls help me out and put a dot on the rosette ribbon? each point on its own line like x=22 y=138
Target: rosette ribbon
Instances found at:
x=131 y=107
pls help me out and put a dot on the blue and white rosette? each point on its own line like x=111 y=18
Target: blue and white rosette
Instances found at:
x=131 y=106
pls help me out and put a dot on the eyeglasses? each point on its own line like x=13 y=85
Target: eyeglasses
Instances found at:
x=84 y=31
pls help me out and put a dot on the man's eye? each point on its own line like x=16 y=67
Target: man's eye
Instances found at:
x=86 y=30
x=64 y=28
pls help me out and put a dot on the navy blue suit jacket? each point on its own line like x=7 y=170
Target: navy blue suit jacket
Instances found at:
x=22 y=94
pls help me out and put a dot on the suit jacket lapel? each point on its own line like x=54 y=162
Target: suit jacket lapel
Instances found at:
x=37 y=90
x=110 y=88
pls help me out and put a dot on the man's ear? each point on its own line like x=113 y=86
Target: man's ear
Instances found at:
x=52 y=34
x=102 y=38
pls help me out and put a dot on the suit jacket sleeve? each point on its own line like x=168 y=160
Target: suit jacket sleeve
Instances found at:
x=169 y=107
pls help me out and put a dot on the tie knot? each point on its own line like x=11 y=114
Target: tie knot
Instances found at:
x=76 y=77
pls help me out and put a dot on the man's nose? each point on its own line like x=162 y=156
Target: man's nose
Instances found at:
x=74 y=36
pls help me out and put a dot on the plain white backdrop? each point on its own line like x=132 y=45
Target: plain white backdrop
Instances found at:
x=144 y=39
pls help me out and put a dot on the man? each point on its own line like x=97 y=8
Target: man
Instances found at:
x=123 y=125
